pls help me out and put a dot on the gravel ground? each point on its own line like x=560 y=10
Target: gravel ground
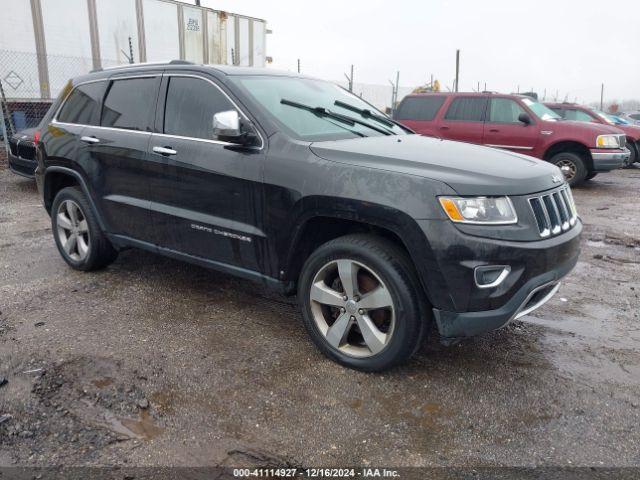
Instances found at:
x=155 y=362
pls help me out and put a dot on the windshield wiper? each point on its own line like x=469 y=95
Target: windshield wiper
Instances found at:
x=366 y=113
x=325 y=112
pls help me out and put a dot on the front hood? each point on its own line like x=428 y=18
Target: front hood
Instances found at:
x=631 y=131
x=468 y=169
x=595 y=128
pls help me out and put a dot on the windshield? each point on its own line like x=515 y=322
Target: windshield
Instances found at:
x=279 y=96
x=541 y=111
x=608 y=118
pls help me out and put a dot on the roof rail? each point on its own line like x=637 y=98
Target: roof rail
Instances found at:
x=143 y=64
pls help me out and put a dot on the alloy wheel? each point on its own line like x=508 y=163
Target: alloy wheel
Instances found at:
x=352 y=308
x=73 y=230
x=568 y=169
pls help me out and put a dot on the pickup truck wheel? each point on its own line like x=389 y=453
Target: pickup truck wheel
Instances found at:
x=78 y=236
x=633 y=157
x=361 y=303
x=572 y=167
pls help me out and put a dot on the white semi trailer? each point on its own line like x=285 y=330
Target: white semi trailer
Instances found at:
x=43 y=43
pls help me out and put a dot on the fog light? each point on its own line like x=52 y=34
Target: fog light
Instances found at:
x=490 y=276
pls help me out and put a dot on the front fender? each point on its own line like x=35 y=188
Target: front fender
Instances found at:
x=405 y=228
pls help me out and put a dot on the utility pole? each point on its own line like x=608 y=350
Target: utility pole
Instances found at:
x=457 y=69
x=350 y=79
x=298 y=65
x=394 y=92
x=602 y=96
x=130 y=51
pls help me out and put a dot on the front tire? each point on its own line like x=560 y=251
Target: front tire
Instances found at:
x=78 y=236
x=362 y=304
x=633 y=157
x=572 y=166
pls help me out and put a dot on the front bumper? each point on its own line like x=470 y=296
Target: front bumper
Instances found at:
x=536 y=268
x=606 y=160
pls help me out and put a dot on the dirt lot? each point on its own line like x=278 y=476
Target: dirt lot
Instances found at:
x=155 y=362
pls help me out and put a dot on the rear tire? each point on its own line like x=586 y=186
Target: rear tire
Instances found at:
x=633 y=157
x=572 y=166
x=363 y=332
x=78 y=236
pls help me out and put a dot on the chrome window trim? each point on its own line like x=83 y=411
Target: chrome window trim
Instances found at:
x=55 y=121
x=241 y=111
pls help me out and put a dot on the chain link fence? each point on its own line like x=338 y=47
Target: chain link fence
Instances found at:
x=26 y=93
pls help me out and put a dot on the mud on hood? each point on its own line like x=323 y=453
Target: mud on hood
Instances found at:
x=468 y=169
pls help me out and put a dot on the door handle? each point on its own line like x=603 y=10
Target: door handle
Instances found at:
x=494 y=130
x=90 y=139
x=444 y=128
x=166 y=151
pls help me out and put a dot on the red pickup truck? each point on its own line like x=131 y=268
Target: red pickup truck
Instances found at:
x=520 y=124
x=581 y=113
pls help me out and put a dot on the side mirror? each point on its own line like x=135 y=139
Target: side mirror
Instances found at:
x=229 y=127
x=525 y=118
x=226 y=125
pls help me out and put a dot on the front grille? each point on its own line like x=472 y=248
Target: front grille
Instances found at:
x=554 y=212
x=27 y=150
x=13 y=146
x=622 y=140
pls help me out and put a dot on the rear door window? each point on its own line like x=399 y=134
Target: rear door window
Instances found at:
x=467 y=109
x=420 y=108
x=190 y=106
x=82 y=107
x=504 y=110
x=130 y=104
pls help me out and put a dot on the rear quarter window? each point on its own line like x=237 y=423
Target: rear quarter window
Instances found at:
x=419 y=108
x=83 y=104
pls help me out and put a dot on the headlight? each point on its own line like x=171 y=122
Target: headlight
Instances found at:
x=607 y=141
x=479 y=210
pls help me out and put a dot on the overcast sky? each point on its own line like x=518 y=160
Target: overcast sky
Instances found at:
x=568 y=46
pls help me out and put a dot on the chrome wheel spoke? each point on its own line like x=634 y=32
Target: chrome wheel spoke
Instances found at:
x=378 y=298
x=63 y=221
x=342 y=293
x=70 y=244
x=348 y=272
x=373 y=338
x=72 y=230
x=72 y=212
x=337 y=333
x=83 y=246
x=321 y=293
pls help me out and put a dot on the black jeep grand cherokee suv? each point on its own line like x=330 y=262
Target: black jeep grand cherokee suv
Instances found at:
x=301 y=185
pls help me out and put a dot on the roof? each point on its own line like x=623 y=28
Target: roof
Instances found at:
x=226 y=70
